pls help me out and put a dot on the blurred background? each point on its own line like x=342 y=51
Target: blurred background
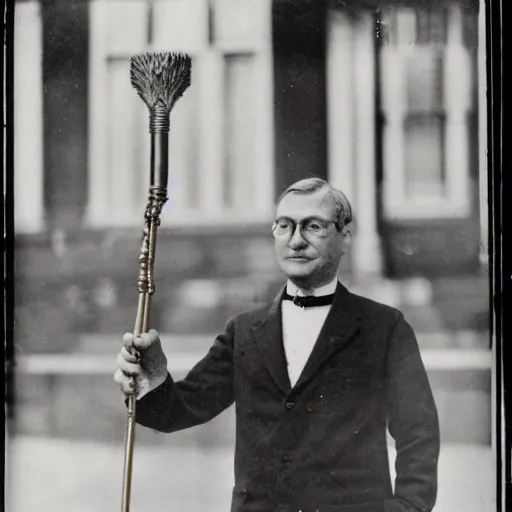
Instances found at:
x=383 y=98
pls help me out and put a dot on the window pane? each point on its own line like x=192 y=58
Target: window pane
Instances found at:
x=405 y=27
x=425 y=80
x=431 y=26
x=239 y=130
x=437 y=26
x=424 y=156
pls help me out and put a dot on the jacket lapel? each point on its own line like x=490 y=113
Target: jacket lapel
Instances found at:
x=340 y=326
x=269 y=338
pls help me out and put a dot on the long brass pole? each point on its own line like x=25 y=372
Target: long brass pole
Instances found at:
x=160 y=80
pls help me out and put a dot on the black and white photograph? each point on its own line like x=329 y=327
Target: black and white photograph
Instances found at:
x=251 y=265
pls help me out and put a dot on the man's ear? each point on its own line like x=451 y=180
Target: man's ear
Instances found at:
x=347 y=232
x=346 y=239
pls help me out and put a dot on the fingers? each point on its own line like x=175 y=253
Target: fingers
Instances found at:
x=130 y=357
x=128 y=339
x=145 y=340
x=127 y=363
x=140 y=342
x=128 y=385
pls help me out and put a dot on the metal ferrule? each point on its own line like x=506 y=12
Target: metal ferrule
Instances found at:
x=159 y=120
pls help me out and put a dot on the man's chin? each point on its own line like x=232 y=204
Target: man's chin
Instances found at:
x=297 y=269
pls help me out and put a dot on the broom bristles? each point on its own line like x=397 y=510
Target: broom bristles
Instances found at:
x=160 y=78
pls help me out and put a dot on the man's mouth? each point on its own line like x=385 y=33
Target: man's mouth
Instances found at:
x=298 y=258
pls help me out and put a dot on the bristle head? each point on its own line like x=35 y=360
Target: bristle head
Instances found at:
x=160 y=78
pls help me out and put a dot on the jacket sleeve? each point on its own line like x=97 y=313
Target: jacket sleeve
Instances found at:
x=413 y=423
x=203 y=394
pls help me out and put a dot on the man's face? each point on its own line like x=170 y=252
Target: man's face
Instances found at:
x=308 y=259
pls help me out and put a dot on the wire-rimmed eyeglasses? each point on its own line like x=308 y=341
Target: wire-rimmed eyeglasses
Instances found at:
x=311 y=227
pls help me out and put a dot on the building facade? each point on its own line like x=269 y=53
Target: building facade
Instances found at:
x=384 y=99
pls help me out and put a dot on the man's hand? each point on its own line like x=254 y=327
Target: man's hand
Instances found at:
x=142 y=365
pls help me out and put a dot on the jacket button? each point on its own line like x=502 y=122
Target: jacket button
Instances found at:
x=287 y=459
x=290 y=405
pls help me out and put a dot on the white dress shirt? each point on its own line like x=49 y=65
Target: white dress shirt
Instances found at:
x=301 y=327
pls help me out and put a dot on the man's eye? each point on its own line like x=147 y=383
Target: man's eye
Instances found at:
x=283 y=224
x=314 y=226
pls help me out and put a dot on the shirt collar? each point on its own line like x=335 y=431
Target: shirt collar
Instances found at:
x=326 y=289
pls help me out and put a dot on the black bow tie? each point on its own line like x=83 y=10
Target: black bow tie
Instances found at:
x=309 y=301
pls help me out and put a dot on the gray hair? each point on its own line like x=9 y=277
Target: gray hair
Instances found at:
x=342 y=208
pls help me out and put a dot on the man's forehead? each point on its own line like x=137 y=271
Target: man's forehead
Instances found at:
x=318 y=202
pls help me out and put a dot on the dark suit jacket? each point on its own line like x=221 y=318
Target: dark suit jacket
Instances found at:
x=321 y=445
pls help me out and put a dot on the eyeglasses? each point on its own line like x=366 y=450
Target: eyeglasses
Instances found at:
x=312 y=227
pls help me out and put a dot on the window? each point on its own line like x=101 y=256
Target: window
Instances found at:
x=221 y=158
x=424 y=157
x=426 y=81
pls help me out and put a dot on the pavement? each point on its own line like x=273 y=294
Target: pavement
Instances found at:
x=60 y=475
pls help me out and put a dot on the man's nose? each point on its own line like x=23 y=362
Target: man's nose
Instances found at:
x=297 y=239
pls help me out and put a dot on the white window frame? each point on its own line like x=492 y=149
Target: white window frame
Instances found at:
x=457 y=92
x=103 y=210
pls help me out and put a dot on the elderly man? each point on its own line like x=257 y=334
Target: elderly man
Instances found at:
x=317 y=378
